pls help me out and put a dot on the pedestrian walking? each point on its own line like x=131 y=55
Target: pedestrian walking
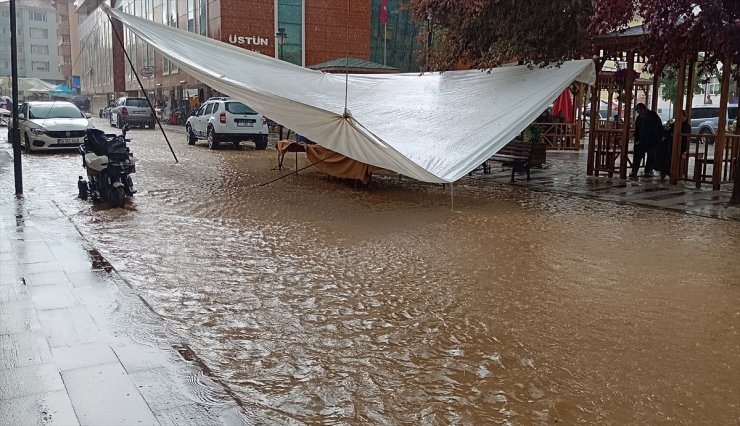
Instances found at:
x=648 y=133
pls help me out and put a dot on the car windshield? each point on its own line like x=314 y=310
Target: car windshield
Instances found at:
x=137 y=102
x=239 y=108
x=54 y=111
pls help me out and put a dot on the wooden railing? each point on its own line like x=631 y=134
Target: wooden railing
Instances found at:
x=698 y=164
x=562 y=136
x=607 y=151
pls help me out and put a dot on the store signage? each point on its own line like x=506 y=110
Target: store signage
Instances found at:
x=248 y=40
x=147 y=72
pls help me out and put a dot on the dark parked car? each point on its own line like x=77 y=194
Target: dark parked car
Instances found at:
x=81 y=102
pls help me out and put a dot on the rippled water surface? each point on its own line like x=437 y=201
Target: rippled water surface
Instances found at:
x=321 y=302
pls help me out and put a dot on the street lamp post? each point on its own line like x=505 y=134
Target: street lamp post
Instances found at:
x=14 y=131
x=280 y=36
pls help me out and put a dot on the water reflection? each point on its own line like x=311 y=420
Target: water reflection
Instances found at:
x=324 y=303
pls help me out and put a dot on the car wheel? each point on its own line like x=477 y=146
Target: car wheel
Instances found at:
x=704 y=136
x=27 y=143
x=261 y=142
x=212 y=139
x=191 y=136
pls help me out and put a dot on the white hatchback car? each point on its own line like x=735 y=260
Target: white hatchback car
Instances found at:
x=226 y=120
x=51 y=125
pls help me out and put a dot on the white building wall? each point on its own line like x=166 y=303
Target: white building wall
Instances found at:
x=38 y=42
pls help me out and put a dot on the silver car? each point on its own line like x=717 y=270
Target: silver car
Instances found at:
x=705 y=120
x=131 y=111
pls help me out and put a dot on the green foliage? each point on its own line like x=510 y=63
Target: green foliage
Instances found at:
x=669 y=83
x=533 y=133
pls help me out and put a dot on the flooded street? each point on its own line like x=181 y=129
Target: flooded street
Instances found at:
x=317 y=301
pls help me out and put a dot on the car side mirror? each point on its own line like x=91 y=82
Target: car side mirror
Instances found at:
x=88 y=115
x=21 y=116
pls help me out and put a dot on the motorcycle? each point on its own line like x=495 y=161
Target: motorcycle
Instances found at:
x=109 y=164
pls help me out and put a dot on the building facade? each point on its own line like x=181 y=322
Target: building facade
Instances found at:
x=315 y=31
x=38 y=40
x=394 y=43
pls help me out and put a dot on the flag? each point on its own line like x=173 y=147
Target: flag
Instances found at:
x=383 y=11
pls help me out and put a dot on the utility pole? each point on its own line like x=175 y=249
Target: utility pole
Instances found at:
x=15 y=129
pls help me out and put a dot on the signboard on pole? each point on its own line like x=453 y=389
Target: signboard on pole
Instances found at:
x=147 y=72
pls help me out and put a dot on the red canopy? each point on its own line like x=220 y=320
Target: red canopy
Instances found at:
x=563 y=106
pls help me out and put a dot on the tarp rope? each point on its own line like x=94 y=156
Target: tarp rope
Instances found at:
x=138 y=80
x=296 y=171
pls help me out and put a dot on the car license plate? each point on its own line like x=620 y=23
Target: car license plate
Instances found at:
x=68 y=140
x=244 y=123
x=140 y=112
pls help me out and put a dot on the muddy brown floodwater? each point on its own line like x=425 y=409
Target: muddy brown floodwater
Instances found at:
x=320 y=302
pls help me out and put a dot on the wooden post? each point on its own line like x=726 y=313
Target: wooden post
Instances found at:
x=609 y=105
x=577 y=117
x=592 y=119
x=678 y=118
x=656 y=90
x=627 y=115
x=690 y=86
x=719 y=144
x=735 y=199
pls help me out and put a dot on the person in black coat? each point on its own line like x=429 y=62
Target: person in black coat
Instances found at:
x=664 y=151
x=648 y=134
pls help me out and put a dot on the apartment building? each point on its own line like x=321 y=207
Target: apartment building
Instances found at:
x=38 y=40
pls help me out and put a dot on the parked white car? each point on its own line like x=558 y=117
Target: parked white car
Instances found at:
x=226 y=120
x=4 y=116
x=52 y=125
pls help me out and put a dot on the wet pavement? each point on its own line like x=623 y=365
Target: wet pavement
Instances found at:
x=77 y=345
x=565 y=172
x=316 y=301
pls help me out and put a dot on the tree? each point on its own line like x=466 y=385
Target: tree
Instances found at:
x=488 y=33
x=675 y=27
x=669 y=83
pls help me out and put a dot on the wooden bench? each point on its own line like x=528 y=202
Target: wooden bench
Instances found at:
x=517 y=154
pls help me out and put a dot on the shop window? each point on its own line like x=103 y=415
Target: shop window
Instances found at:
x=290 y=17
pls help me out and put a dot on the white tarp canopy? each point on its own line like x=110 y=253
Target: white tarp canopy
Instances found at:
x=432 y=127
x=27 y=86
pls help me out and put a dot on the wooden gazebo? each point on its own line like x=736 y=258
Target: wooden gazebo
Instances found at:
x=711 y=162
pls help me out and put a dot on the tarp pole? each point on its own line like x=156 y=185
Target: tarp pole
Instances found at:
x=15 y=131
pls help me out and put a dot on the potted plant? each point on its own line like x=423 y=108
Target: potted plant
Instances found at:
x=533 y=135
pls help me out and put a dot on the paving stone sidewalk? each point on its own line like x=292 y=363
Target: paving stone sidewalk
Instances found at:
x=565 y=172
x=77 y=345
